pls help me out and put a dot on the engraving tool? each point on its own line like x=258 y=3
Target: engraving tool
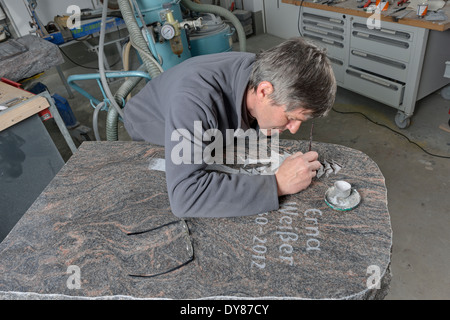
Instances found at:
x=311 y=136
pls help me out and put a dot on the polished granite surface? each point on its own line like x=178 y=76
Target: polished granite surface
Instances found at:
x=103 y=229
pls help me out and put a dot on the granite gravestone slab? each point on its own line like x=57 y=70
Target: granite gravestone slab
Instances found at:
x=103 y=229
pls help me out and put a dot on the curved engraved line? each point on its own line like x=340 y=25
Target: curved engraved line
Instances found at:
x=156 y=228
x=191 y=258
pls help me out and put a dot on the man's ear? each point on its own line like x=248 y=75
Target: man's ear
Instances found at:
x=265 y=88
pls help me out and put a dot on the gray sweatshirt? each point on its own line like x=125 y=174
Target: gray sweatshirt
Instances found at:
x=210 y=89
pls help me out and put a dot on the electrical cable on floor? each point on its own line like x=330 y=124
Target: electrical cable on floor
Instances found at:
x=385 y=126
x=75 y=63
x=86 y=67
x=356 y=112
x=85 y=38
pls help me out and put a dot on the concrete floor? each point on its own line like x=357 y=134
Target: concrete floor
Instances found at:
x=417 y=183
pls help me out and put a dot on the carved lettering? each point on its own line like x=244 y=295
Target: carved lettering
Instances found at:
x=287 y=236
x=312 y=244
x=287 y=233
x=315 y=231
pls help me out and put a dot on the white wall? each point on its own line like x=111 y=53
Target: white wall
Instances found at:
x=281 y=19
x=252 y=5
x=46 y=11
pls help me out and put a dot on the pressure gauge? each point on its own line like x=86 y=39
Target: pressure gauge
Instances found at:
x=167 y=31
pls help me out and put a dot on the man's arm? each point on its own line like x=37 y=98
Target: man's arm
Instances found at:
x=195 y=192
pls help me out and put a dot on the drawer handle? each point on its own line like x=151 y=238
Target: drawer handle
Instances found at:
x=323 y=32
x=322 y=18
x=385 y=40
x=328 y=41
x=376 y=80
x=365 y=35
x=398 y=34
x=359 y=53
x=324 y=26
x=336 y=20
x=336 y=61
x=316 y=30
x=378 y=59
x=388 y=31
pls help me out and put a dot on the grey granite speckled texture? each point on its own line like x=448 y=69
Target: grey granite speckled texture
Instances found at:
x=40 y=55
x=99 y=211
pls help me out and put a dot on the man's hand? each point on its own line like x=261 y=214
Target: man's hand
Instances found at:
x=296 y=172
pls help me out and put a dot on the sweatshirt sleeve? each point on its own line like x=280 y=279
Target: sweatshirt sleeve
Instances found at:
x=195 y=192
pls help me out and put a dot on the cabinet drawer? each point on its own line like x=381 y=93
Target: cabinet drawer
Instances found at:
x=387 y=29
x=335 y=28
x=321 y=32
x=381 y=45
x=326 y=29
x=387 y=67
x=391 y=40
x=377 y=88
x=334 y=48
x=326 y=19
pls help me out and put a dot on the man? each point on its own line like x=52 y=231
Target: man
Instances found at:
x=277 y=89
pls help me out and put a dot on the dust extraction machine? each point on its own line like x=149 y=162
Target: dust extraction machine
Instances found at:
x=163 y=37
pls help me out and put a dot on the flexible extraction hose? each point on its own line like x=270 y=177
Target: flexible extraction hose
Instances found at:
x=126 y=56
x=101 y=65
x=137 y=39
x=153 y=68
x=149 y=64
x=223 y=13
x=120 y=96
x=95 y=120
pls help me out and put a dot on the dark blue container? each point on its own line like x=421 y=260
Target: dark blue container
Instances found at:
x=65 y=111
x=61 y=104
x=38 y=88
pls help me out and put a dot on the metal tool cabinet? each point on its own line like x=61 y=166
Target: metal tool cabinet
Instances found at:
x=328 y=30
x=382 y=62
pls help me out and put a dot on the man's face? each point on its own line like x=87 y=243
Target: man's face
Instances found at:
x=276 y=118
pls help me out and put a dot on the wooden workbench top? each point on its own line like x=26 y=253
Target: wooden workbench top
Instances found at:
x=25 y=105
x=351 y=7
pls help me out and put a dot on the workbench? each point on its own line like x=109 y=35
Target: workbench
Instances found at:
x=103 y=229
x=28 y=157
x=25 y=104
x=394 y=62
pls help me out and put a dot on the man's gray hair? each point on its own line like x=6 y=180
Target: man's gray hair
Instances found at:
x=300 y=74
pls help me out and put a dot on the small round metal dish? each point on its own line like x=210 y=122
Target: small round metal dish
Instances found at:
x=347 y=204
